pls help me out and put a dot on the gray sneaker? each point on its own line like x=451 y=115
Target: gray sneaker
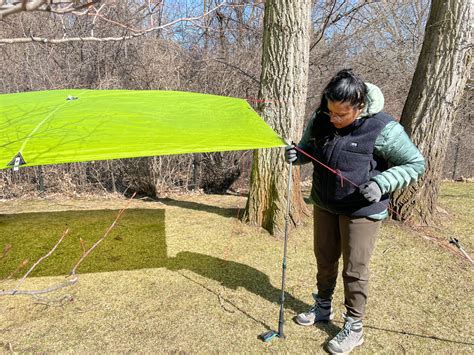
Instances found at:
x=350 y=336
x=320 y=311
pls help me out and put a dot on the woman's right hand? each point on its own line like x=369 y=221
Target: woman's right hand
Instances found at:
x=291 y=154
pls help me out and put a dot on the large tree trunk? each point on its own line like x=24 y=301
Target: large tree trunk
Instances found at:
x=440 y=77
x=284 y=81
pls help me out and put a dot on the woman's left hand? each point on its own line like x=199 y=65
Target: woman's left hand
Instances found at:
x=371 y=191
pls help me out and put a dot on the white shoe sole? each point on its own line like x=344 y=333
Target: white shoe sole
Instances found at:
x=307 y=324
x=361 y=341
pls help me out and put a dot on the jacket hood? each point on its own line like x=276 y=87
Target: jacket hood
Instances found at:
x=374 y=101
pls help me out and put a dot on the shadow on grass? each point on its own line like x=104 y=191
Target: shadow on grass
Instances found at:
x=233 y=275
x=220 y=297
x=137 y=242
x=433 y=337
x=224 y=212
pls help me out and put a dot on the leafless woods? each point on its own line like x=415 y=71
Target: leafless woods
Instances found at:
x=205 y=46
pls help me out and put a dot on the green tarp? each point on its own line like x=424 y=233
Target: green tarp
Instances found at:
x=63 y=126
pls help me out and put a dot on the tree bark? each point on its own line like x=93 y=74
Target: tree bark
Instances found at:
x=284 y=80
x=436 y=90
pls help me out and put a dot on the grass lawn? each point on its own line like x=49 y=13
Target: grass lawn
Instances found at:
x=184 y=275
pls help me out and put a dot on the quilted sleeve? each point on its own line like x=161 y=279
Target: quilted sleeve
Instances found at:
x=408 y=165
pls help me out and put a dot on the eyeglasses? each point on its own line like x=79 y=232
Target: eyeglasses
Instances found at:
x=334 y=116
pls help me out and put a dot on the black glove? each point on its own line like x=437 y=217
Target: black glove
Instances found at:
x=291 y=154
x=371 y=191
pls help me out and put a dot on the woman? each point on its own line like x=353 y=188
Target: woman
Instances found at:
x=369 y=156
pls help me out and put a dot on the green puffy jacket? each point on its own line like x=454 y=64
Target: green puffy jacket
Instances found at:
x=392 y=144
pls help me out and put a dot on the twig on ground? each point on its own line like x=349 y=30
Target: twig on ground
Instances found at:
x=15 y=291
x=16 y=271
x=59 y=302
x=41 y=259
x=6 y=250
x=107 y=232
x=70 y=281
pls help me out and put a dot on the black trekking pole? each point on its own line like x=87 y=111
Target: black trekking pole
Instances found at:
x=269 y=335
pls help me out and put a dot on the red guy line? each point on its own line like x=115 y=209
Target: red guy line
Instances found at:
x=338 y=173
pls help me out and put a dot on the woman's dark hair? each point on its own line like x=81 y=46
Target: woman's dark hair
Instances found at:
x=345 y=86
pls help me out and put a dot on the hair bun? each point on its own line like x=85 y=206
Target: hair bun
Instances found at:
x=345 y=86
x=345 y=73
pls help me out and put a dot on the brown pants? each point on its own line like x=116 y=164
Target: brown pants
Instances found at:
x=355 y=238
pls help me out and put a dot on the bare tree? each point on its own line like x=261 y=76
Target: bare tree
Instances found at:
x=284 y=77
x=220 y=54
x=433 y=101
x=459 y=164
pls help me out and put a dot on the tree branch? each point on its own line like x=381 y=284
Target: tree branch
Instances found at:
x=24 y=5
x=107 y=232
x=340 y=16
x=137 y=33
x=40 y=260
x=55 y=6
x=75 y=278
x=240 y=70
x=15 y=290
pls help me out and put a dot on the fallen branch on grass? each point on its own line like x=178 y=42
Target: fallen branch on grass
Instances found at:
x=72 y=278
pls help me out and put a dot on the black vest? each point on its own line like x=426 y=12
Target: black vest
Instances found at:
x=350 y=151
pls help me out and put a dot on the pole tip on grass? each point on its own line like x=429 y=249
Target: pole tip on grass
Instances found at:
x=267 y=336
